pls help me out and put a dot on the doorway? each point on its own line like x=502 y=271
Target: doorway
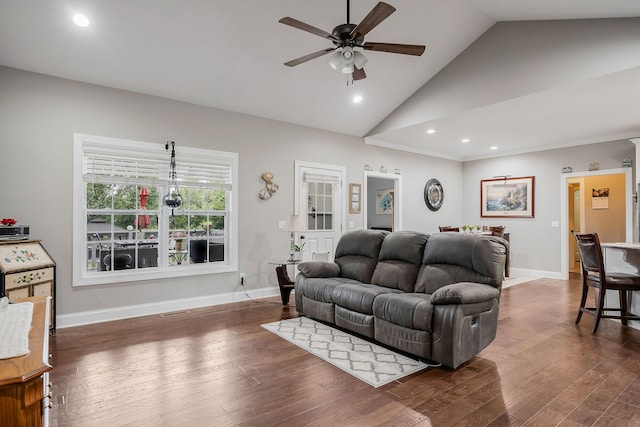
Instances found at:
x=611 y=217
x=319 y=203
x=381 y=205
x=575 y=206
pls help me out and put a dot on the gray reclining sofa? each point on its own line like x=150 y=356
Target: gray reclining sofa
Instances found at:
x=433 y=296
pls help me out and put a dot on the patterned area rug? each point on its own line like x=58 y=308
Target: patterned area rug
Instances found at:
x=366 y=361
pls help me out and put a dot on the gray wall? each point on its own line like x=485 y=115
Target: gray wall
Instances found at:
x=39 y=115
x=535 y=245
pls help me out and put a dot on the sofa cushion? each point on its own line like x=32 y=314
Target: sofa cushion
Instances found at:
x=410 y=310
x=464 y=293
x=358 y=297
x=320 y=289
x=357 y=253
x=319 y=269
x=400 y=260
x=458 y=257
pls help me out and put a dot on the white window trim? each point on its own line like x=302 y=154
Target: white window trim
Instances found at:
x=82 y=278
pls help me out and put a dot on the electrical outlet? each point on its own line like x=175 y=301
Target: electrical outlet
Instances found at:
x=242 y=277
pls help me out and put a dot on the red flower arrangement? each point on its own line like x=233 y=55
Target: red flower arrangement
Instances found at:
x=8 y=221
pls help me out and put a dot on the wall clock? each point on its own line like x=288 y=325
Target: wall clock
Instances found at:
x=433 y=194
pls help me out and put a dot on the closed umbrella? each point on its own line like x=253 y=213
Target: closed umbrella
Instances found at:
x=143 y=220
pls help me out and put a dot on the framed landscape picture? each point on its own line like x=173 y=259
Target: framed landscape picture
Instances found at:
x=507 y=197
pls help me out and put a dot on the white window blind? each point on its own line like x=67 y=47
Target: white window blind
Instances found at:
x=148 y=164
x=323 y=179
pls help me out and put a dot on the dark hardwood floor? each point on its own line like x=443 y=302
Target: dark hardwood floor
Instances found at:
x=217 y=367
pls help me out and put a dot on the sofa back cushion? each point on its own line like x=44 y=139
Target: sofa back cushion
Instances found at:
x=357 y=253
x=400 y=260
x=457 y=257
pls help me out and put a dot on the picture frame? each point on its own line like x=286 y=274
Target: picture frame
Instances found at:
x=384 y=202
x=507 y=197
x=600 y=198
x=355 y=198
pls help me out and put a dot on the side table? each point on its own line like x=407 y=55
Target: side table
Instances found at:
x=284 y=281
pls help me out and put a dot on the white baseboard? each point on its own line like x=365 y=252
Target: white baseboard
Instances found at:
x=521 y=272
x=131 y=311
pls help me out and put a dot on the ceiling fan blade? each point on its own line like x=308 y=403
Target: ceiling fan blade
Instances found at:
x=309 y=57
x=306 y=27
x=379 y=13
x=358 y=73
x=404 y=49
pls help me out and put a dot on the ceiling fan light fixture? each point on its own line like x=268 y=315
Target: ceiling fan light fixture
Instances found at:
x=359 y=60
x=344 y=60
x=347 y=68
x=347 y=54
x=335 y=59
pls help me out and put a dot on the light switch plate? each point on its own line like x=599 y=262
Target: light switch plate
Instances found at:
x=281 y=224
x=555 y=224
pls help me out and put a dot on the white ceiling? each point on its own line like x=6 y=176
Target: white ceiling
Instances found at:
x=230 y=55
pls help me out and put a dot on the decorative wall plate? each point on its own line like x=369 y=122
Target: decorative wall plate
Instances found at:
x=433 y=194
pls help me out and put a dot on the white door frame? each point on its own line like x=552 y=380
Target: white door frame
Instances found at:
x=564 y=211
x=397 y=202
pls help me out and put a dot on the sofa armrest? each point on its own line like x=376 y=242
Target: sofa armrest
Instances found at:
x=319 y=269
x=464 y=293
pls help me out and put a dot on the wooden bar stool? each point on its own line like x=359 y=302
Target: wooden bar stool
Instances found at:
x=595 y=276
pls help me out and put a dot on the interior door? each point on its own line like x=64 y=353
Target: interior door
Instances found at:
x=319 y=202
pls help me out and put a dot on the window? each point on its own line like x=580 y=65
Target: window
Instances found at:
x=320 y=206
x=320 y=200
x=123 y=232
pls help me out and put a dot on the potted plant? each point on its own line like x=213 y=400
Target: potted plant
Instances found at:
x=297 y=249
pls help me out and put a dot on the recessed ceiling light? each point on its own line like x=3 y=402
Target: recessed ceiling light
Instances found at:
x=493 y=148
x=430 y=131
x=357 y=99
x=80 y=20
x=465 y=140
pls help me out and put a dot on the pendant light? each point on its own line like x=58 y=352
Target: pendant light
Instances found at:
x=172 y=199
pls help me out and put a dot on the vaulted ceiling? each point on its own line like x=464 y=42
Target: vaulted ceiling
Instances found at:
x=230 y=55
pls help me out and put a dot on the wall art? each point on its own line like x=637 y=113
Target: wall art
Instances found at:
x=507 y=197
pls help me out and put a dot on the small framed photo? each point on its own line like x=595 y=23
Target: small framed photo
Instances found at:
x=600 y=198
x=507 y=197
x=355 y=198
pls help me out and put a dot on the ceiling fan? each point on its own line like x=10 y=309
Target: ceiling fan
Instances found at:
x=347 y=37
